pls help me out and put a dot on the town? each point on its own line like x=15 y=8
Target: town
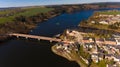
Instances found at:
x=107 y=18
x=90 y=50
x=99 y=49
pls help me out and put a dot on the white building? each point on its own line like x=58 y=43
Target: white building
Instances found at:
x=103 y=22
x=95 y=58
x=116 y=58
x=92 y=21
x=117 y=41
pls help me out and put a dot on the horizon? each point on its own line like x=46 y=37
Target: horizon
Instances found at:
x=22 y=3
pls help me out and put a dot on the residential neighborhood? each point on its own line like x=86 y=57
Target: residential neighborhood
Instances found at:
x=107 y=19
x=99 y=48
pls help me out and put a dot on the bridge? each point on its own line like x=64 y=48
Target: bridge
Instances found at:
x=35 y=37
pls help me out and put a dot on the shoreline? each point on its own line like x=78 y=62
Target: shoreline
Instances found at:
x=68 y=57
x=4 y=37
x=53 y=48
x=31 y=26
x=54 y=51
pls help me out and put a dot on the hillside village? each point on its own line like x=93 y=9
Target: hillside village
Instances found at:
x=94 y=46
x=107 y=18
x=98 y=49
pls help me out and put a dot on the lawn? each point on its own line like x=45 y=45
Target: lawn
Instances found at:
x=28 y=12
x=109 y=12
x=113 y=12
x=6 y=11
x=33 y=11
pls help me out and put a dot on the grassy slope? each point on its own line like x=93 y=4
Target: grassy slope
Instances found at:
x=71 y=57
x=6 y=12
x=100 y=26
x=109 y=12
x=29 y=12
x=33 y=11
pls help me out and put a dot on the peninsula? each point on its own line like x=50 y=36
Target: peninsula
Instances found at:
x=95 y=43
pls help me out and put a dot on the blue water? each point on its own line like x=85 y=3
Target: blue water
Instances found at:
x=58 y=24
x=29 y=53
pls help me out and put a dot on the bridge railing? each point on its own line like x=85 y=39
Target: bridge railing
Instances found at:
x=34 y=37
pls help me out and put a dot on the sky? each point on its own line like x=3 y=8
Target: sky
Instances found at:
x=17 y=3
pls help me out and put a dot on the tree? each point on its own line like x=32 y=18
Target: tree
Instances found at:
x=20 y=18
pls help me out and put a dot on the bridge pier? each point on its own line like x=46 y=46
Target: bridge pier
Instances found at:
x=26 y=37
x=17 y=36
x=50 y=41
x=39 y=39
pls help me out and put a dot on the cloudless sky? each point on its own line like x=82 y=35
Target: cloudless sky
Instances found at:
x=16 y=3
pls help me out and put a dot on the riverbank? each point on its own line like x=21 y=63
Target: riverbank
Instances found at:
x=65 y=50
x=75 y=49
x=33 y=51
x=69 y=56
x=103 y=20
x=4 y=38
x=24 y=24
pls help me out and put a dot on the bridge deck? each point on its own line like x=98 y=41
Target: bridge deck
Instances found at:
x=35 y=37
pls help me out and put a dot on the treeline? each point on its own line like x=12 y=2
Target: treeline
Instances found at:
x=112 y=29
x=10 y=12
x=23 y=24
x=115 y=25
x=78 y=7
x=95 y=30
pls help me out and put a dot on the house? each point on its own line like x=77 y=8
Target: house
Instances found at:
x=110 y=41
x=92 y=21
x=89 y=45
x=117 y=58
x=94 y=50
x=118 y=15
x=88 y=40
x=70 y=45
x=103 y=22
x=85 y=40
x=72 y=32
x=64 y=45
x=117 y=41
x=100 y=41
x=95 y=58
x=101 y=56
x=109 y=56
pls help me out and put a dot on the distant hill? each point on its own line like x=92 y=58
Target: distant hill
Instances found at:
x=107 y=3
x=95 y=3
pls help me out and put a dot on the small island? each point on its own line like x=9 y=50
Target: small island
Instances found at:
x=95 y=43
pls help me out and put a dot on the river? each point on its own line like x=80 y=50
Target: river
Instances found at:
x=33 y=53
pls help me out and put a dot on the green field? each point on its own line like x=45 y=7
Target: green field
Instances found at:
x=109 y=12
x=33 y=11
x=28 y=12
